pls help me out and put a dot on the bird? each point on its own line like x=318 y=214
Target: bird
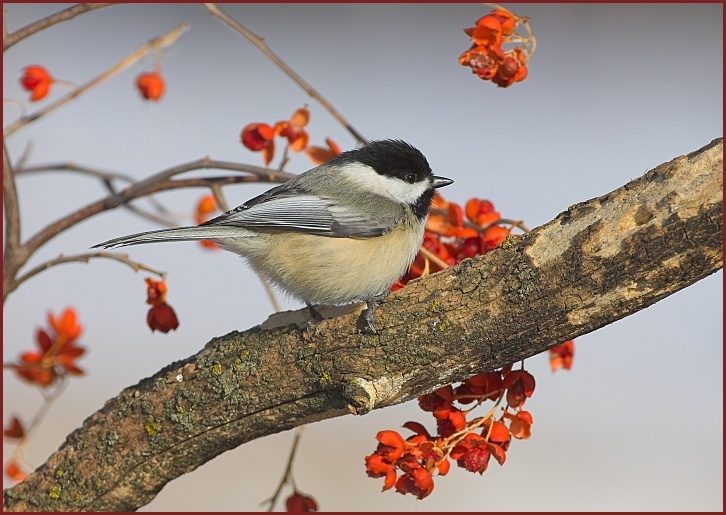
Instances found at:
x=340 y=233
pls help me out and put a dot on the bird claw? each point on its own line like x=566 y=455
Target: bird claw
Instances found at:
x=315 y=317
x=364 y=324
x=367 y=314
x=367 y=317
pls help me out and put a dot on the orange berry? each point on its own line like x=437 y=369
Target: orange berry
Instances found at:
x=150 y=85
x=506 y=19
x=206 y=205
x=486 y=219
x=476 y=207
x=207 y=244
x=456 y=215
x=256 y=136
x=37 y=80
x=14 y=472
x=465 y=232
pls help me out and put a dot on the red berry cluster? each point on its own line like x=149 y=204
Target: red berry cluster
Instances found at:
x=260 y=137
x=488 y=59
x=410 y=464
x=454 y=234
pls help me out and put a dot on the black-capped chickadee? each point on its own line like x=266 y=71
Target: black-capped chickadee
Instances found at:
x=342 y=232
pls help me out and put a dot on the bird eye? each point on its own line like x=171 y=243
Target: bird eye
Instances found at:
x=410 y=178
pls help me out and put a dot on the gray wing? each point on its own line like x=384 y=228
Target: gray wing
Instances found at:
x=291 y=209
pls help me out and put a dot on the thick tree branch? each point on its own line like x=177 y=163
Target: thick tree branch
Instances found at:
x=597 y=262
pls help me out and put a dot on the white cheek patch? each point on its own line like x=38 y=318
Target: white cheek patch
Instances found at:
x=391 y=187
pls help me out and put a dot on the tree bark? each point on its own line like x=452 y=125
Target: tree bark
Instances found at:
x=596 y=262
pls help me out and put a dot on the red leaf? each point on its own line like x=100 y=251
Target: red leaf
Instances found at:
x=14 y=429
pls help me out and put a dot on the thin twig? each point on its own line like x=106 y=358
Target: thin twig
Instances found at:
x=517 y=37
x=27 y=151
x=516 y=223
x=48 y=400
x=5 y=26
x=12 y=252
x=482 y=228
x=262 y=46
x=72 y=167
x=433 y=257
x=199 y=182
x=85 y=258
x=285 y=157
x=264 y=174
x=270 y=294
x=20 y=34
x=257 y=173
x=127 y=61
x=498 y=221
x=106 y=179
x=17 y=103
x=10 y=204
x=288 y=470
x=219 y=196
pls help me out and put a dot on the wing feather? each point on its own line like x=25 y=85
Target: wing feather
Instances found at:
x=290 y=209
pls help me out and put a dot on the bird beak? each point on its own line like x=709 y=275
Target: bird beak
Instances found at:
x=440 y=182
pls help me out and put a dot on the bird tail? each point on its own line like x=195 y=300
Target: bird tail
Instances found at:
x=175 y=234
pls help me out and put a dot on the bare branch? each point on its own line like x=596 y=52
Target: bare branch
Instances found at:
x=10 y=203
x=20 y=34
x=260 y=44
x=127 y=61
x=219 y=197
x=158 y=181
x=85 y=258
x=287 y=475
x=103 y=175
x=200 y=182
x=106 y=179
x=262 y=174
x=12 y=249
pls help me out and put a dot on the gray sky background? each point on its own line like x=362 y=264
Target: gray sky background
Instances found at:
x=613 y=91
